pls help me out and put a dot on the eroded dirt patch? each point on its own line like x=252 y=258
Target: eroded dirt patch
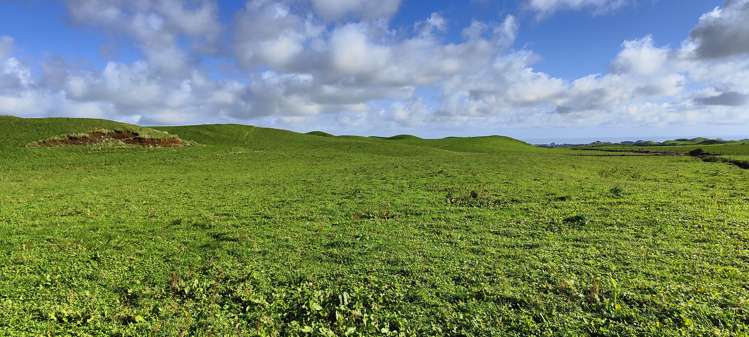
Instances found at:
x=114 y=137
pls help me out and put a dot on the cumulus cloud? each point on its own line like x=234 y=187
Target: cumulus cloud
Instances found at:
x=345 y=65
x=640 y=72
x=547 y=7
x=136 y=92
x=6 y=45
x=364 y=9
x=640 y=57
x=267 y=33
x=411 y=114
x=352 y=52
x=141 y=93
x=156 y=25
x=14 y=75
x=435 y=23
x=350 y=66
x=21 y=95
x=723 y=32
x=728 y=98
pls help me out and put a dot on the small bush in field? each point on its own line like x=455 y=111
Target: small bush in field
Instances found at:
x=617 y=192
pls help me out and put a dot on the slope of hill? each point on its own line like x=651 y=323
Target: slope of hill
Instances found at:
x=17 y=132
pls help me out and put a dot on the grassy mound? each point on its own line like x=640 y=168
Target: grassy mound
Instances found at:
x=486 y=144
x=402 y=137
x=276 y=140
x=319 y=133
x=114 y=137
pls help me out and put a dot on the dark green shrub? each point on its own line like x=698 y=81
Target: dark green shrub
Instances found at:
x=697 y=153
x=578 y=220
x=617 y=192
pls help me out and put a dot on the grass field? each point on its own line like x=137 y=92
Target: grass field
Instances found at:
x=263 y=232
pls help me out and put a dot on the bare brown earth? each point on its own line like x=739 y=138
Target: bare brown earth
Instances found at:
x=103 y=136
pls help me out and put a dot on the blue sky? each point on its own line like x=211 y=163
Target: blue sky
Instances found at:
x=43 y=29
x=540 y=70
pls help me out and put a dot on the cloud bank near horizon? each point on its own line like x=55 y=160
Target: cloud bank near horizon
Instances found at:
x=341 y=63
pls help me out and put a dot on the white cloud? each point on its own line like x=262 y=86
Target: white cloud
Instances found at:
x=723 y=32
x=14 y=75
x=435 y=23
x=728 y=98
x=640 y=57
x=136 y=93
x=412 y=113
x=6 y=45
x=352 y=53
x=347 y=67
x=267 y=33
x=547 y=7
x=155 y=25
x=357 y=9
x=200 y=21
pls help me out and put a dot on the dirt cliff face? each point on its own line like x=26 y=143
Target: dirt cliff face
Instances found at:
x=103 y=136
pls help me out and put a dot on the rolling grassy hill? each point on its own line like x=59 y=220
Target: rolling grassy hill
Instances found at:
x=264 y=232
x=17 y=132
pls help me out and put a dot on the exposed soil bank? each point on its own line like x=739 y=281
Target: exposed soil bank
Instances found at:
x=102 y=136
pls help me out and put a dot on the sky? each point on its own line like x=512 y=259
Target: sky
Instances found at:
x=538 y=70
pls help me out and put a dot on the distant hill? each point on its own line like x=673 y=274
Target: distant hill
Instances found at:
x=710 y=150
x=18 y=132
x=485 y=144
x=320 y=133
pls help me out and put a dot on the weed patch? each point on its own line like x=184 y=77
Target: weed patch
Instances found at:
x=577 y=221
x=617 y=192
x=472 y=198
